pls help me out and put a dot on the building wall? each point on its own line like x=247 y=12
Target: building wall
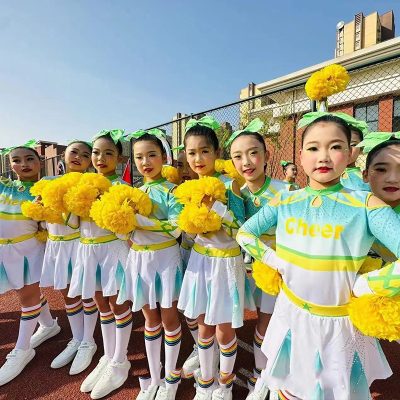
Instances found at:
x=370 y=30
x=349 y=30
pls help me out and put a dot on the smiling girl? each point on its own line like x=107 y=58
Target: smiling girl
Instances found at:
x=21 y=256
x=323 y=234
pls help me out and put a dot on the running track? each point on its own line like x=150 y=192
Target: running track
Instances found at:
x=39 y=381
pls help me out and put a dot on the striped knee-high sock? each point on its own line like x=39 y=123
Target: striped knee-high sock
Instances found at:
x=259 y=357
x=91 y=313
x=153 y=338
x=107 y=323
x=124 y=329
x=194 y=329
x=206 y=357
x=29 y=319
x=75 y=319
x=45 y=317
x=172 y=343
x=227 y=357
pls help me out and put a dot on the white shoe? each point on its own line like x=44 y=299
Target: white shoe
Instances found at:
x=192 y=362
x=43 y=333
x=273 y=395
x=247 y=258
x=259 y=394
x=16 y=361
x=203 y=394
x=113 y=378
x=222 y=394
x=147 y=392
x=83 y=357
x=167 y=393
x=91 y=380
x=67 y=355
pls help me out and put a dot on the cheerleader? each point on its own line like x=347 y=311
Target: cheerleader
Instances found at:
x=153 y=273
x=59 y=262
x=98 y=273
x=290 y=172
x=249 y=155
x=21 y=259
x=323 y=234
x=215 y=288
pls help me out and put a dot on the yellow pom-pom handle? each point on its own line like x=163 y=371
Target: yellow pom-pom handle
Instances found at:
x=267 y=279
x=376 y=316
x=370 y=264
x=41 y=236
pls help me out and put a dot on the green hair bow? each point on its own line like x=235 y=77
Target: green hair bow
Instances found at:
x=284 y=163
x=79 y=141
x=254 y=126
x=117 y=135
x=375 y=138
x=308 y=118
x=31 y=144
x=207 y=121
x=155 y=132
x=180 y=147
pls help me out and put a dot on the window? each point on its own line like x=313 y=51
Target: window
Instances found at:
x=396 y=115
x=368 y=112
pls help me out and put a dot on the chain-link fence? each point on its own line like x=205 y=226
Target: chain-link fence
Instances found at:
x=373 y=95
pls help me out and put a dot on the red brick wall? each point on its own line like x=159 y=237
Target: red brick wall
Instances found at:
x=385 y=114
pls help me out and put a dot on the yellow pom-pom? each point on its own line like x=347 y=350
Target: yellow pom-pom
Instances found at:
x=184 y=192
x=376 y=316
x=52 y=217
x=96 y=213
x=72 y=178
x=79 y=199
x=41 y=236
x=37 y=188
x=119 y=218
x=195 y=219
x=219 y=165
x=267 y=279
x=53 y=195
x=171 y=173
x=138 y=200
x=328 y=81
x=32 y=210
x=97 y=181
x=231 y=172
x=370 y=264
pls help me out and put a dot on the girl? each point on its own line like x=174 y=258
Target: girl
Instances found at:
x=323 y=234
x=290 y=172
x=249 y=155
x=98 y=273
x=382 y=172
x=59 y=262
x=21 y=258
x=153 y=273
x=214 y=285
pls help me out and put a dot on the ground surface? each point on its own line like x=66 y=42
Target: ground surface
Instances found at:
x=39 y=381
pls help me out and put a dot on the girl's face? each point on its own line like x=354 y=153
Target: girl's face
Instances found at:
x=201 y=155
x=25 y=164
x=354 y=151
x=77 y=157
x=249 y=157
x=149 y=159
x=184 y=171
x=325 y=154
x=383 y=175
x=291 y=171
x=105 y=157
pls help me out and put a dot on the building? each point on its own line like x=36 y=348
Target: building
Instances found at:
x=363 y=32
x=373 y=95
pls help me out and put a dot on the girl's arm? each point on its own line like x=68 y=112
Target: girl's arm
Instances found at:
x=168 y=228
x=384 y=224
x=250 y=232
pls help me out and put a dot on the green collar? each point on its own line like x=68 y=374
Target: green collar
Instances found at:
x=217 y=175
x=326 y=191
x=263 y=187
x=19 y=183
x=161 y=180
x=112 y=177
x=397 y=209
x=352 y=169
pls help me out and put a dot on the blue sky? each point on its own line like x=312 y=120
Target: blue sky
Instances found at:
x=70 y=68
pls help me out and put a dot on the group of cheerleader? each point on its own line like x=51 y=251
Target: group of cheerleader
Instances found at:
x=308 y=246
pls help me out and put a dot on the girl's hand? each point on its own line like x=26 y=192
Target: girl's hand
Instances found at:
x=38 y=200
x=208 y=202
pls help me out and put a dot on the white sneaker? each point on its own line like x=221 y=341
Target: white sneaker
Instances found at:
x=167 y=393
x=67 y=355
x=147 y=392
x=273 y=395
x=91 y=380
x=259 y=394
x=43 y=333
x=113 y=378
x=192 y=362
x=203 y=394
x=222 y=394
x=83 y=357
x=247 y=258
x=16 y=361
